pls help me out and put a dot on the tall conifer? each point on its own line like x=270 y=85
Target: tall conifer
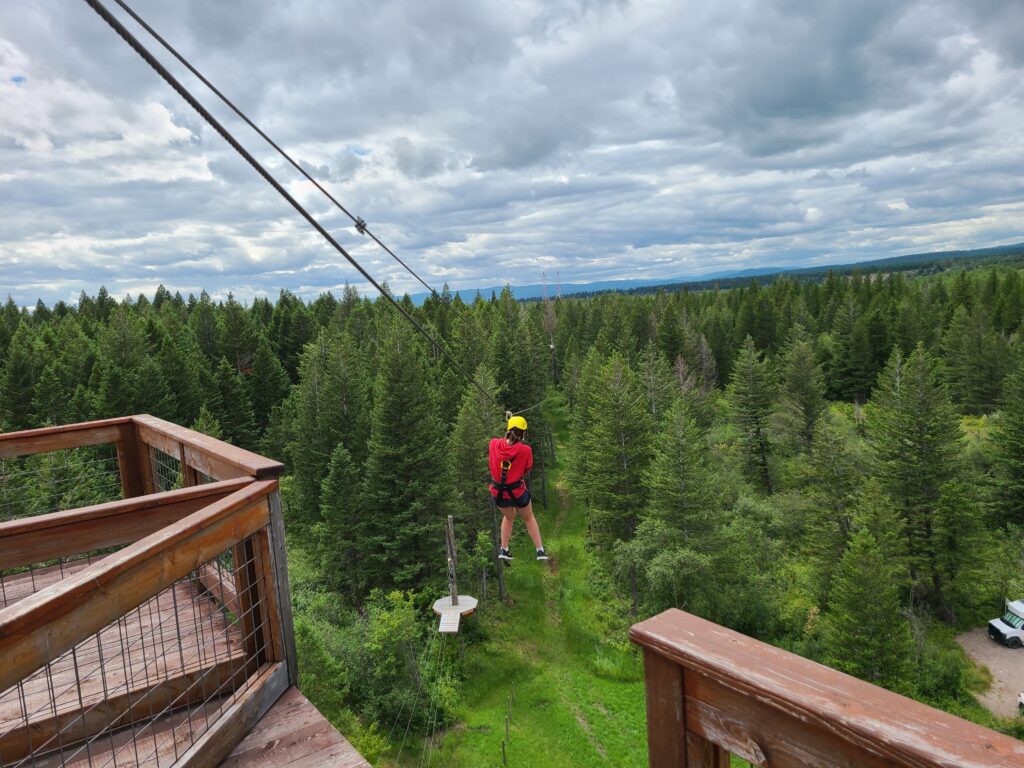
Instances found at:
x=863 y=631
x=751 y=395
x=405 y=485
x=914 y=434
x=1008 y=440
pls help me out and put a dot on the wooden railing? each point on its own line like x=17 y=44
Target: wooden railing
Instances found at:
x=217 y=536
x=712 y=691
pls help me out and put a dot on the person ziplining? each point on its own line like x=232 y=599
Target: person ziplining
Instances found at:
x=510 y=459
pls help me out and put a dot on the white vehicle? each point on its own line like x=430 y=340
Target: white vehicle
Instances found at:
x=1020 y=703
x=1009 y=628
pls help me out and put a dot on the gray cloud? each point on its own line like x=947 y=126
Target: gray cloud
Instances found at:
x=492 y=141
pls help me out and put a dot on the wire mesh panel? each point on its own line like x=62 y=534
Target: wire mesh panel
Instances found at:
x=166 y=470
x=67 y=479
x=18 y=583
x=143 y=689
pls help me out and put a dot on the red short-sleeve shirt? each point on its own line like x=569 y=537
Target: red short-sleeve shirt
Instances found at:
x=520 y=454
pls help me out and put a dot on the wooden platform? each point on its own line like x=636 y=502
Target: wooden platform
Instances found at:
x=294 y=734
x=176 y=650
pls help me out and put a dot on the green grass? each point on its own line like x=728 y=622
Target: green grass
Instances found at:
x=579 y=696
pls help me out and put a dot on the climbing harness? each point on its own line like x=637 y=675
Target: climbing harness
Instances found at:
x=503 y=488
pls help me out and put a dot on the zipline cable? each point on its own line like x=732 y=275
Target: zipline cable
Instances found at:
x=361 y=226
x=358 y=221
x=440 y=658
x=171 y=80
x=432 y=718
x=428 y=655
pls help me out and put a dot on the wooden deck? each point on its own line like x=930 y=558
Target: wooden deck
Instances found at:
x=143 y=661
x=181 y=638
x=294 y=734
x=175 y=650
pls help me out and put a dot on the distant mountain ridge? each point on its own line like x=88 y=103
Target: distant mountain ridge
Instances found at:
x=908 y=261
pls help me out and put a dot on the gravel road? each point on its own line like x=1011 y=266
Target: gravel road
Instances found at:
x=1006 y=665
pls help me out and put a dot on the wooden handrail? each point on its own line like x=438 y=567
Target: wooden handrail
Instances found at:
x=168 y=536
x=208 y=455
x=60 y=534
x=32 y=441
x=40 y=627
x=712 y=691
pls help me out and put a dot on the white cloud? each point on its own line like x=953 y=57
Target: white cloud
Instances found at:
x=490 y=141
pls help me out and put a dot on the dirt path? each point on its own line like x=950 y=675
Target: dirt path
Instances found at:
x=1006 y=665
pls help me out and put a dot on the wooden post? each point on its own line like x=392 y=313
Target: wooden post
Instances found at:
x=147 y=477
x=243 y=556
x=666 y=714
x=496 y=536
x=453 y=586
x=543 y=483
x=188 y=474
x=279 y=558
x=128 y=463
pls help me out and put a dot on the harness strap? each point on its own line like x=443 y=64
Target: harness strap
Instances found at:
x=502 y=487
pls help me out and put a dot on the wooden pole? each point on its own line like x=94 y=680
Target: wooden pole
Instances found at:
x=452 y=563
x=496 y=536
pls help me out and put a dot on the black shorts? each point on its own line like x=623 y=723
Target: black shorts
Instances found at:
x=508 y=500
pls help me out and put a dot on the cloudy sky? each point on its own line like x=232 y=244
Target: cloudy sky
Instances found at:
x=489 y=142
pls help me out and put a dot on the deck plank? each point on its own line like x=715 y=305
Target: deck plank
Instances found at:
x=293 y=734
x=153 y=645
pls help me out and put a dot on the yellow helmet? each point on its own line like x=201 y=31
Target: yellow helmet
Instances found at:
x=517 y=422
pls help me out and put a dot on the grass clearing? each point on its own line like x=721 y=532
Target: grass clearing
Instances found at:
x=579 y=696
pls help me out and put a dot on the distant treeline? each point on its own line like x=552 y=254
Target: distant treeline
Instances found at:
x=922 y=264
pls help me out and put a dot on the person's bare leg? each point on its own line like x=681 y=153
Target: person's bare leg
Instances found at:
x=508 y=514
x=531 y=524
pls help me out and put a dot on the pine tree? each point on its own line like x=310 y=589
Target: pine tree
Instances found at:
x=986 y=356
x=954 y=344
x=852 y=373
x=235 y=415
x=404 y=483
x=670 y=334
x=205 y=423
x=126 y=378
x=238 y=337
x=187 y=369
x=203 y=322
x=582 y=463
x=961 y=536
x=863 y=630
x=1008 y=442
x=874 y=511
x=330 y=408
x=619 y=433
x=268 y=382
x=751 y=395
x=802 y=396
x=914 y=434
x=340 y=534
x=656 y=380
x=619 y=437
x=679 y=483
x=478 y=420
x=10 y=318
x=18 y=378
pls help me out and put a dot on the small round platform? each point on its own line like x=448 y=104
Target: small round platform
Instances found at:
x=465 y=607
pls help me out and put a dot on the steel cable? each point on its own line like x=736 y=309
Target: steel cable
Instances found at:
x=171 y=80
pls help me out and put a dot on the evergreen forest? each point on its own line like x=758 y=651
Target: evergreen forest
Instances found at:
x=833 y=465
